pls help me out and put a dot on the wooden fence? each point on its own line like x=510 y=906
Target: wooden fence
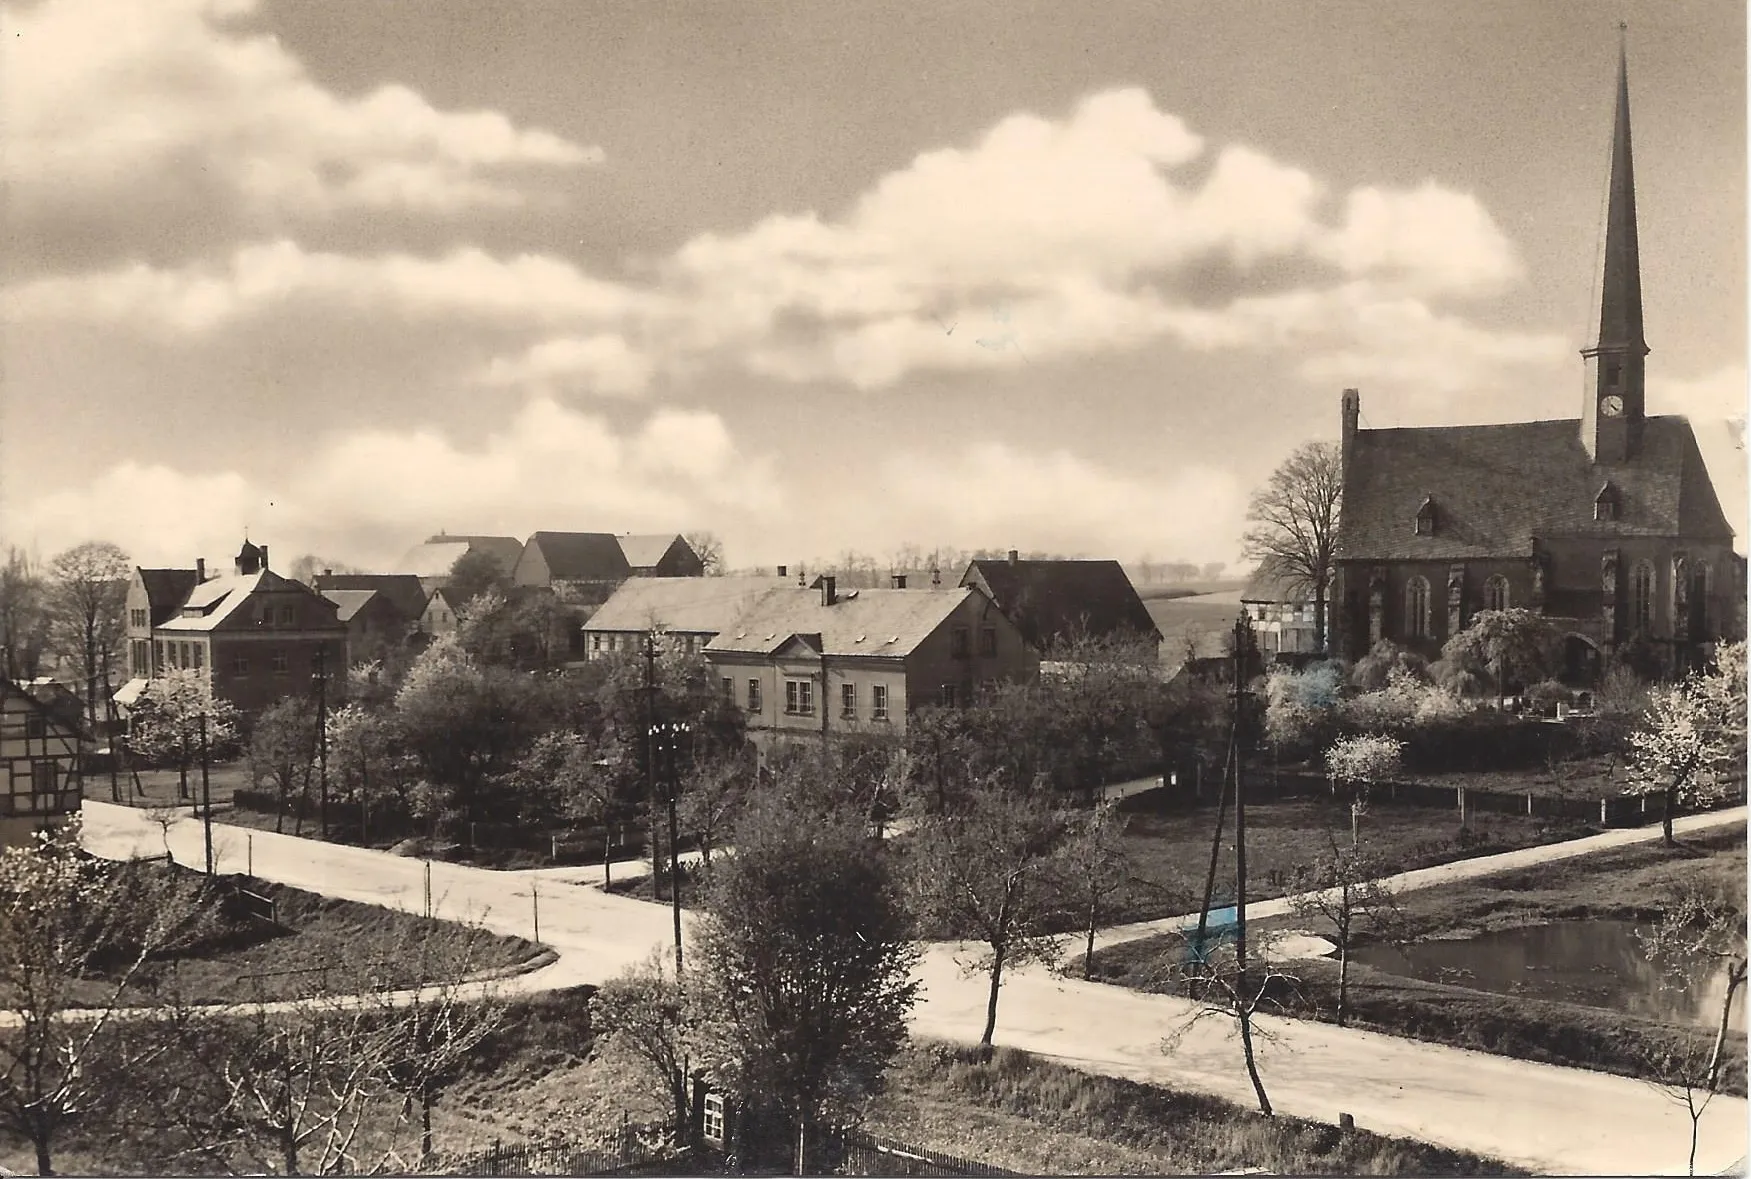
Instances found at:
x=868 y=1154
x=630 y=1155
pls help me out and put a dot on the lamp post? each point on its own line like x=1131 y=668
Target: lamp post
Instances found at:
x=206 y=793
x=667 y=738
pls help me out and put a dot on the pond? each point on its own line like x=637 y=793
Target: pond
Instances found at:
x=1593 y=963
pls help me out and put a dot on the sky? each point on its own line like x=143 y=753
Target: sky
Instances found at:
x=816 y=277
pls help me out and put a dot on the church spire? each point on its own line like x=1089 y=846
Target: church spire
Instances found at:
x=1616 y=402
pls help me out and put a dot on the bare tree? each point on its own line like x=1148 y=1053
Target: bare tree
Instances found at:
x=1213 y=974
x=982 y=872
x=1294 y=519
x=76 y=939
x=644 y=1024
x=281 y=751
x=709 y=549
x=87 y=602
x=1702 y=928
x=1093 y=865
x=1343 y=889
x=24 y=623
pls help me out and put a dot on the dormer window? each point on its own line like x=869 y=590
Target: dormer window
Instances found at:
x=1605 y=503
x=1426 y=517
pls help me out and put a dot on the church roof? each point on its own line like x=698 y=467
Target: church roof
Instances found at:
x=1496 y=488
x=1620 y=306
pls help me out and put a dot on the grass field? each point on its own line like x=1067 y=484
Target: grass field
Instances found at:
x=1202 y=621
x=1620 y=884
x=1589 y=778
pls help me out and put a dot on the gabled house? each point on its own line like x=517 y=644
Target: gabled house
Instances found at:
x=375 y=625
x=1610 y=525
x=254 y=635
x=810 y=663
x=432 y=560
x=39 y=766
x=690 y=611
x=585 y=567
x=660 y=556
x=1055 y=602
x=439 y=616
x=402 y=591
x=1282 y=613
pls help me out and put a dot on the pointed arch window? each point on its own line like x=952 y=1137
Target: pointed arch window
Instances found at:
x=1416 y=608
x=1605 y=504
x=1641 y=596
x=1701 y=583
x=1426 y=517
x=1495 y=593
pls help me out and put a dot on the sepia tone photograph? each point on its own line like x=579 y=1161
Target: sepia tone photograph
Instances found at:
x=936 y=588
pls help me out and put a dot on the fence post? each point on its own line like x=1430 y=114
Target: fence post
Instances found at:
x=1529 y=804
x=1604 y=821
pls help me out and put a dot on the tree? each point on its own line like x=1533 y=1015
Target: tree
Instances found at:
x=1361 y=762
x=559 y=779
x=805 y=955
x=1692 y=737
x=713 y=800
x=167 y=721
x=476 y=572
x=1294 y=519
x=642 y=1020
x=77 y=937
x=1375 y=670
x=982 y=872
x=24 y=624
x=87 y=604
x=282 y=751
x=1094 y=865
x=308 y=567
x=1343 y=889
x=709 y=549
x=1701 y=928
x=1513 y=648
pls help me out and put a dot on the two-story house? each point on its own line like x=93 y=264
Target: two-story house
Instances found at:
x=1282 y=614
x=811 y=663
x=39 y=766
x=253 y=635
x=376 y=626
x=690 y=611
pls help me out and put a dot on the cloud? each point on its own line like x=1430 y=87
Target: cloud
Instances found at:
x=110 y=101
x=605 y=365
x=369 y=495
x=1717 y=395
x=1434 y=240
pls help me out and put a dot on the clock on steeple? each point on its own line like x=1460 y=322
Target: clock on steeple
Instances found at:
x=1611 y=406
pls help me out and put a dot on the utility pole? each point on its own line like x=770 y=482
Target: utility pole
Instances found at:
x=1243 y=1001
x=322 y=738
x=650 y=753
x=675 y=838
x=206 y=793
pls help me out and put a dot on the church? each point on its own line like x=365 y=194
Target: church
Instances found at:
x=1610 y=525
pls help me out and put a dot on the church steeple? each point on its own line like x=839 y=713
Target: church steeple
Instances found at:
x=1616 y=402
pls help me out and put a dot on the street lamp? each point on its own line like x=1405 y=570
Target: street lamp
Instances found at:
x=666 y=737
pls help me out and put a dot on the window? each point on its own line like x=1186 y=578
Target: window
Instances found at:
x=199 y=654
x=878 y=702
x=34 y=728
x=713 y=1121
x=959 y=648
x=1426 y=518
x=1495 y=593
x=1701 y=582
x=1416 y=608
x=799 y=697
x=42 y=777
x=142 y=658
x=288 y=616
x=948 y=695
x=157 y=655
x=137 y=619
x=1641 y=596
x=596 y=642
x=848 y=701
x=753 y=695
x=240 y=665
x=988 y=641
x=280 y=665
x=729 y=687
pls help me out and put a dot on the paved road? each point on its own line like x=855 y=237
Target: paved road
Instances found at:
x=1548 y=1119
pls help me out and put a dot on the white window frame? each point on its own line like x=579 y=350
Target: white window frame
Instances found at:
x=878 y=702
x=848 y=700
x=712 y=1118
x=799 y=697
x=754 y=702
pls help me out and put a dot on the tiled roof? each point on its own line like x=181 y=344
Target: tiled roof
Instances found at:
x=582 y=556
x=219 y=597
x=1495 y=488
x=693 y=605
x=348 y=602
x=403 y=590
x=166 y=589
x=873 y=622
x=643 y=552
x=1049 y=600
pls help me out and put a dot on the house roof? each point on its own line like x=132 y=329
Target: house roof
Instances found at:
x=216 y=599
x=443 y=595
x=692 y=605
x=643 y=552
x=437 y=554
x=349 y=602
x=877 y=623
x=1496 y=488
x=402 y=590
x=1269 y=584
x=166 y=590
x=582 y=556
x=1049 y=600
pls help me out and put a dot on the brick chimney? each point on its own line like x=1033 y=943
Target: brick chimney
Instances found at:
x=829 y=590
x=1352 y=422
x=328 y=573
x=899 y=581
x=1014 y=556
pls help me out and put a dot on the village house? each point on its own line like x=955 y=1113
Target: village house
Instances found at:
x=1057 y=602
x=1282 y=614
x=439 y=617
x=253 y=635
x=688 y=611
x=39 y=766
x=1610 y=525
x=375 y=625
x=403 y=591
x=805 y=663
x=584 y=568
x=432 y=560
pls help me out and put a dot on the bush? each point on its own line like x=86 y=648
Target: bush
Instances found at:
x=1375 y=670
x=1547 y=694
